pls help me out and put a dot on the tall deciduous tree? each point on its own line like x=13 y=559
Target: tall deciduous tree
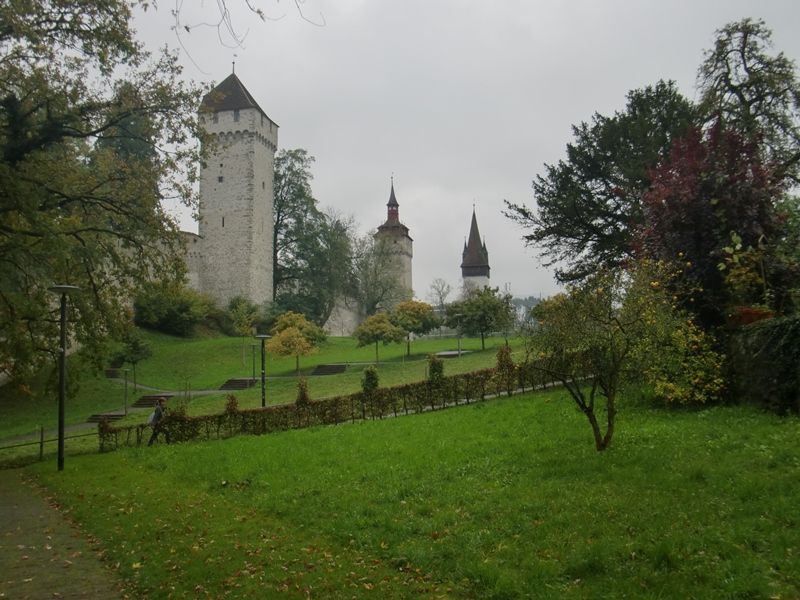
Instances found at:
x=714 y=183
x=755 y=91
x=74 y=208
x=312 y=250
x=414 y=317
x=588 y=206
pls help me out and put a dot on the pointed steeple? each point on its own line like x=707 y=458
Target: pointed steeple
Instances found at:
x=393 y=212
x=230 y=95
x=475 y=257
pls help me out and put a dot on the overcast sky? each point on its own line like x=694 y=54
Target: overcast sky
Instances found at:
x=462 y=101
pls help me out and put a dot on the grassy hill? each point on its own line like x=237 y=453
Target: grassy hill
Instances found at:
x=205 y=364
x=505 y=499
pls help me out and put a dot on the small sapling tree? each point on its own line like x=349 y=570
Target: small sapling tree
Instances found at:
x=414 y=317
x=378 y=328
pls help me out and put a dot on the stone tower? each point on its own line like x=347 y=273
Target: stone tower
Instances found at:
x=475 y=258
x=236 y=201
x=397 y=235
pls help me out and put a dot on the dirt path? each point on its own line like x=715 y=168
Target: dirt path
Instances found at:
x=41 y=554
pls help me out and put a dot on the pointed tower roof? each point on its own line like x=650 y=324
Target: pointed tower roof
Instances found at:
x=231 y=95
x=392 y=198
x=393 y=226
x=475 y=257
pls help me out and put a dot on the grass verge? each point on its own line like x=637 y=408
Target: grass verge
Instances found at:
x=506 y=499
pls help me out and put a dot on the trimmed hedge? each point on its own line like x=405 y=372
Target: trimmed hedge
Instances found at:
x=384 y=402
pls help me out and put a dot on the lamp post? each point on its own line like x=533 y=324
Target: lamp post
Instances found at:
x=126 y=391
x=458 y=333
x=62 y=367
x=263 y=337
x=253 y=354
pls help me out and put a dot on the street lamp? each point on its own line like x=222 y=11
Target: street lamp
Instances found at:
x=458 y=333
x=62 y=367
x=253 y=354
x=126 y=391
x=263 y=337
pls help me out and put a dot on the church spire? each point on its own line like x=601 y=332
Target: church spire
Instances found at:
x=475 y=257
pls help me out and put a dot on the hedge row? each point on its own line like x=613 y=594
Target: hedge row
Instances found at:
x=394 y=401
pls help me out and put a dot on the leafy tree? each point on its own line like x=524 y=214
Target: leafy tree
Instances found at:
x=374 y=285
x=134 y=350
x=481 y=313
x=311 y=249
x=414 y=317
x=322 y=270
x=378 y=328
x=74 y=208
x=753 y=91
x=617 y=324
x=290 y=342
x=714 y=183
x=588 y=206
x=243 y=314
x=294 y=209
x=313 y=335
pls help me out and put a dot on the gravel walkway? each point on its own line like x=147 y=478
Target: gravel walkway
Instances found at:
x=41 y=554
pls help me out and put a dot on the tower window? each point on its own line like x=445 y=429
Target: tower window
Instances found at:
x=263 y=186
x=223 y=221
x=219 y=178
x=216 y=118
x=236 y=115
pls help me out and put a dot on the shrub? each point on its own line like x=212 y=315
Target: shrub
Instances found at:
x=370 y=381
x=303 y=398
x=231 y=404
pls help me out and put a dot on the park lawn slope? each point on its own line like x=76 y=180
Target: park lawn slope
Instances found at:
x=503 y=499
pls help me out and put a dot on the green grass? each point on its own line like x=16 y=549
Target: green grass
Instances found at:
x=208 y=363
x=22 y=414
x=505 y=499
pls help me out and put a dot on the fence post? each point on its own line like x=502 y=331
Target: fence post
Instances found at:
x=41 y=444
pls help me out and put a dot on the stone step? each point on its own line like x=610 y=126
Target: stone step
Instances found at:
x=111 y=417
x=148 y=401
x=330 y=369
x=239 y=383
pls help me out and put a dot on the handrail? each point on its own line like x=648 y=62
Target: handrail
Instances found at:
x=42 y=441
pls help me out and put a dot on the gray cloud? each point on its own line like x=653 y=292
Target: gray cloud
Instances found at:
x=462 y=101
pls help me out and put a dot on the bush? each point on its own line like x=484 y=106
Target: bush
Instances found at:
x=370 y=380
x=172 y=310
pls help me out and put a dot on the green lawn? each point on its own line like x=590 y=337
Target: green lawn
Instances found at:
x=504 y=499
x=208 y=363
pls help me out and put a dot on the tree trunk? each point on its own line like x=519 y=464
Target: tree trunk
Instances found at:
x=376 y=355
x=483 y=343
x=135 y=389
x=408 y=345
x=602 y=442
x=297 y=364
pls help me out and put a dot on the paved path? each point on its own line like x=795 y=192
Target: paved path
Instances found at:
x=41 y=554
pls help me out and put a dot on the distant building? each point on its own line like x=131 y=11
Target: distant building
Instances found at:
x=232 y=255
x=347 y=315
x=402 y=244
x=474 y=259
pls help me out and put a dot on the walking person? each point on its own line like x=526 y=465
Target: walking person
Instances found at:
x=156 y=418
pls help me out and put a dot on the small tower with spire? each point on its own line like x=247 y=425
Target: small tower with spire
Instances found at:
x=475 y=258
x=396 y=234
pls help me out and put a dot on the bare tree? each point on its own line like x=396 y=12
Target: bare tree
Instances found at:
x=438 y=293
